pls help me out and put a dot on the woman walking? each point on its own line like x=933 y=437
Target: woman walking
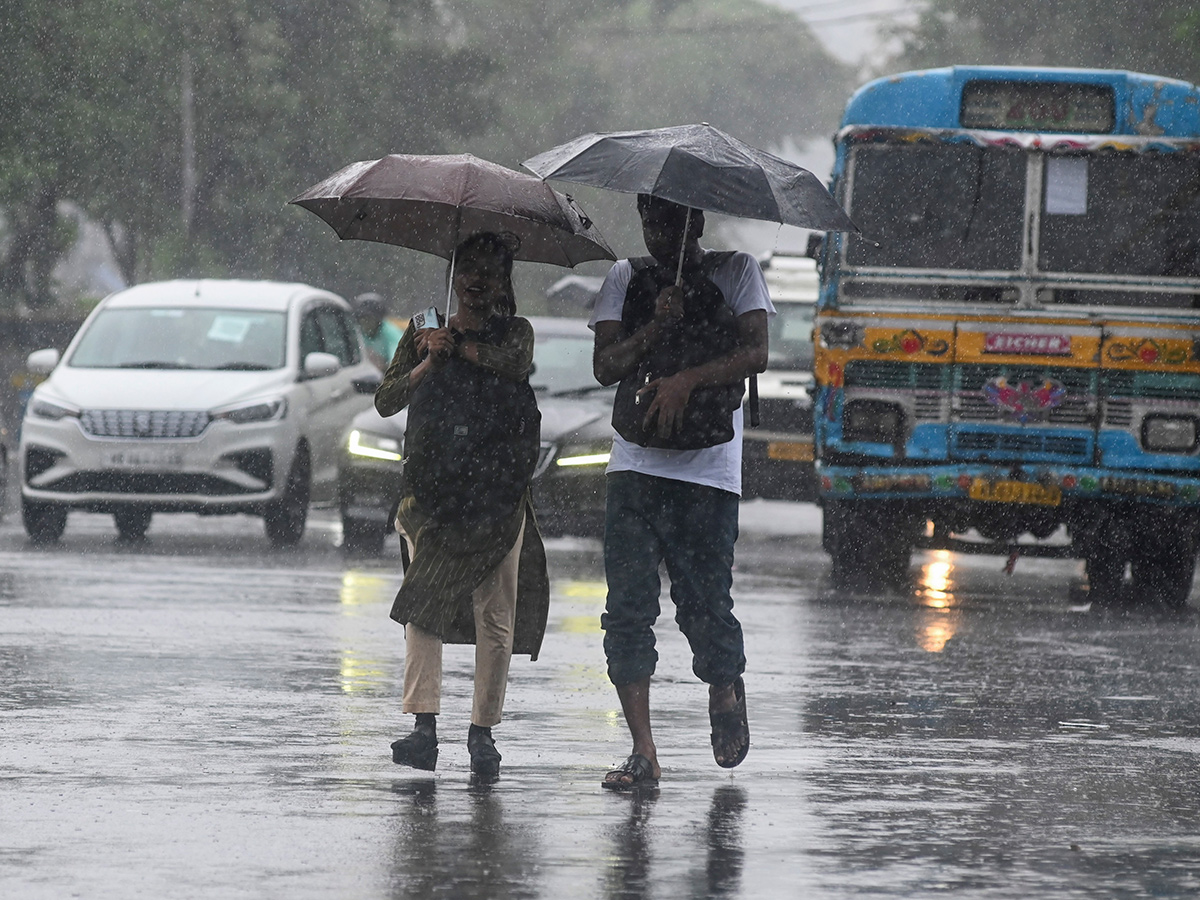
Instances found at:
x=478 y=567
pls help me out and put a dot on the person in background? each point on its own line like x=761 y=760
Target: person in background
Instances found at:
x=379 y=334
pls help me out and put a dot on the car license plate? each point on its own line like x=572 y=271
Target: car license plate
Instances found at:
x=1015 y=492
x=146 y=459
x=794 y=451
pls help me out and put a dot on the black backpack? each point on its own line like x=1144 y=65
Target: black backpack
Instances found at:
x=707 y=330
x=472 y=439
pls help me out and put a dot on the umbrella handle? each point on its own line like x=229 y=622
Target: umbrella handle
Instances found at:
x=450 y=284
x=687 y=226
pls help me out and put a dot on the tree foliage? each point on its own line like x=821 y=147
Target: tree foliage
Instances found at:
x=1153 y=36
x=95 y=106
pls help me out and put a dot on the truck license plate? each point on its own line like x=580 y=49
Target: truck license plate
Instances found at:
x=1015 y=492
x=794 y=451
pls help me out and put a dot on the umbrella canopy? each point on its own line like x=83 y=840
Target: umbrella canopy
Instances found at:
x=697 y=166
x=431 y=203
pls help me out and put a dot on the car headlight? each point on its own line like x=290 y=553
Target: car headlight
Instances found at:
x=374 y=446
x=583 y=455
x=1169 y=434
x=262 y=411
x=44 y=409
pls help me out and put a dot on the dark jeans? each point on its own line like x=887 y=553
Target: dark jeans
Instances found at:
x=691 y=527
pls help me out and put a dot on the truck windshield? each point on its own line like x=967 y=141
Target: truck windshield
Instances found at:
x=937 y=206
x=1122 y=214
x=178 y=338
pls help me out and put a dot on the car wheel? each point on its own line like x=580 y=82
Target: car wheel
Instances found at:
x=285 y=518
x=363 y=538
x=44 y=522
x=132 y=522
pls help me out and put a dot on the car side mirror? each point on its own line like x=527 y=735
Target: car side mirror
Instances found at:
x=42 y=362
x=368 y=384
x=816 y=240
x=319 y=365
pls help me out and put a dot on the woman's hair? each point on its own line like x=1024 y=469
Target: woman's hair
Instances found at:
x=503 y=246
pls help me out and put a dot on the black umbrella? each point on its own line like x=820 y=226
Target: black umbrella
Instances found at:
x=697 y=166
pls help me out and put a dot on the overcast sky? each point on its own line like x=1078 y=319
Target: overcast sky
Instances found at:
x=850 y=28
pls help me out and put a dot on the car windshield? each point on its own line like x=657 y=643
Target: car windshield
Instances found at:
x=562 y=363
x=790 y=335
x=174 y=338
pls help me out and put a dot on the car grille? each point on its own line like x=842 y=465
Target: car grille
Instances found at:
x=164 y=483
x=144 y=423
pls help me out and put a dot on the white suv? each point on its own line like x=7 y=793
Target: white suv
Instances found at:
x=200 y=396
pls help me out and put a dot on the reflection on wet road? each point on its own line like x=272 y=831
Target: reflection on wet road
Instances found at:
x=199 y=716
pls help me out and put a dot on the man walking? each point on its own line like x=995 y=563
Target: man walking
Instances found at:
x=681 y=354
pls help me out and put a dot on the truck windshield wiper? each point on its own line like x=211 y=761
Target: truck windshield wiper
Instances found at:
x=582 y=391
x=244 y=367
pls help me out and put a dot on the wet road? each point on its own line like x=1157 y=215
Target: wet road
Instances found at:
x=197 y=716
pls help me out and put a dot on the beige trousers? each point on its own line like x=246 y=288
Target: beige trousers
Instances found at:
x=495 y=606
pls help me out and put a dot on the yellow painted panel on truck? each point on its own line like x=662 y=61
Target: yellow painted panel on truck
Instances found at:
x=1159 y=348
x=916 y=339
x=1047 y=339
x=1028 y=342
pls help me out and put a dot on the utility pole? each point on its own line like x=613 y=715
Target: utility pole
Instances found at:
x=187 y=199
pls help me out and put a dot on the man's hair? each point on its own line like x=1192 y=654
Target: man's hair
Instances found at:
x=669 y=209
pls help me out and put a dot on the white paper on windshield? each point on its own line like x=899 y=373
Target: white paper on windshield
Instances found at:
x=1066 y=186
x=231 y=329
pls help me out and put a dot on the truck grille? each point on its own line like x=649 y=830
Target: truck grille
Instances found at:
x=1077 y=408
x=869 y=373
x=144 y=423
x=1019 y=443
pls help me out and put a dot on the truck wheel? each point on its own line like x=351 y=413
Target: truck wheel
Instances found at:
x=1106 y=574
x=285 y=518
x=1165 y=576
x=44 y=522
x=870 y=547
x=363 y=538
x=132 y=522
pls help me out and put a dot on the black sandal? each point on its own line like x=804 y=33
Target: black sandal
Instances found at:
x=418 y=750
x=485 y=758
x=731 y=728
x=639 y=770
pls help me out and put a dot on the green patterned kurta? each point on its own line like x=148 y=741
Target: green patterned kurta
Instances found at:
x=451 y=559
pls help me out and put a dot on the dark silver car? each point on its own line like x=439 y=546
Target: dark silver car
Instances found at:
x=568 y=485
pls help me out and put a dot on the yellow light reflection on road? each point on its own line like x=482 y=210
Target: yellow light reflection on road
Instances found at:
x=356 y=673
x=939 y=619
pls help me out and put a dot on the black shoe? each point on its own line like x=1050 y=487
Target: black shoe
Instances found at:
x=485 y=758
x=418 y=750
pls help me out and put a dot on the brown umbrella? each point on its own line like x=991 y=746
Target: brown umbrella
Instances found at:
x=430 y=203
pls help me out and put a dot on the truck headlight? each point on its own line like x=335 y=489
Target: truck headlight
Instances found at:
x=374 y=446
x=1169 y=434
x=583 y=455
x=260 y=411
x=872 y=421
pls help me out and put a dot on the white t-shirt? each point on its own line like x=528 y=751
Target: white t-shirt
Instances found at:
x=741 y=282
